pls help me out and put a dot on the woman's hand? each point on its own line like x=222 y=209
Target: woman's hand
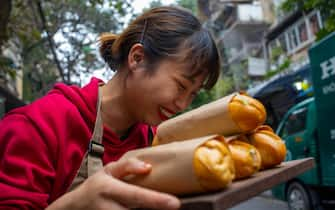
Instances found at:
x=104 y=190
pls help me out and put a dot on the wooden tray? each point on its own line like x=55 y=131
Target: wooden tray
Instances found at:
x=245 y=189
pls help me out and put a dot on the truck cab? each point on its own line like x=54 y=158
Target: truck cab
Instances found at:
x=308 y=129
x=298 y=129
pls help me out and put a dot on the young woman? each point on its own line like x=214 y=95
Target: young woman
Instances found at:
x=49 y=147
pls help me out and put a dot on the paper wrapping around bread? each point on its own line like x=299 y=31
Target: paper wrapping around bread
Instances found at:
x=193 y=166
x=247 y=159
x=271 y=147
x=230 y=115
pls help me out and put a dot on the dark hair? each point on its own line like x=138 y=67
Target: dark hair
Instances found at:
x=166 y=32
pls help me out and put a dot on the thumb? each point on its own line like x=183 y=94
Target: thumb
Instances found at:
x=126 y=167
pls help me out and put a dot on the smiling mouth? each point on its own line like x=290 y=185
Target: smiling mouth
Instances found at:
x=165 y=114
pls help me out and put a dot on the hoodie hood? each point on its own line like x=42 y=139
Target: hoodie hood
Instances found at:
x=85 y=99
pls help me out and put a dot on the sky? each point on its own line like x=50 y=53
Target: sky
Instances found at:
x=140 y=4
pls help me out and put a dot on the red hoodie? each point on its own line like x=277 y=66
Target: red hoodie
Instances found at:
x=43 y=144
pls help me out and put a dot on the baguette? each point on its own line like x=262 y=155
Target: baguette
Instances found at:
x=186 y=167
x=271 y=147
x=213 y=165
x=230 y=115
x=247 y=159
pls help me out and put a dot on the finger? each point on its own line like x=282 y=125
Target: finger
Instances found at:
x=123 y=168
x=112 y=205
x=137 y=197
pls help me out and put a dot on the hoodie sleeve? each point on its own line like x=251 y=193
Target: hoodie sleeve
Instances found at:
x=154 y=129
x=26 y=165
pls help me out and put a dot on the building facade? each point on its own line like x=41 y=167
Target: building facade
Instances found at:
x=11 y=77
x=291 y=37
x=239 y=27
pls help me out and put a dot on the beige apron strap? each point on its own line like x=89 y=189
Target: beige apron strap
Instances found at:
x=92 y=160
x=96 y=148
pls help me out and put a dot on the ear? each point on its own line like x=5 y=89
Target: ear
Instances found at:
x=135 y=56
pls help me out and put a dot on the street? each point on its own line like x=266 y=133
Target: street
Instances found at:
x=265 y=201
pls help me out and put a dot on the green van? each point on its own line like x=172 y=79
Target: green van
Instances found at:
x=308 y=129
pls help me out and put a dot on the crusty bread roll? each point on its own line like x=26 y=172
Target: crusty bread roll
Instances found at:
x=213 y=165
x=191 y=166
x=271 y=147
x=230 y=115
x=247 y=112
x=246 y=157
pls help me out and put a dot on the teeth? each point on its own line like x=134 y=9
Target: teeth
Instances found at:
x=166 y=113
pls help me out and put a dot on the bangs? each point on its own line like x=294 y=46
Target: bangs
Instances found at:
x=200 y=55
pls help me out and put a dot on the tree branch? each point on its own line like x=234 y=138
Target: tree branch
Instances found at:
x=5 y=9
x=50 y=40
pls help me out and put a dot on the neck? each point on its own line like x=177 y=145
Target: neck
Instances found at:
x=114 y=110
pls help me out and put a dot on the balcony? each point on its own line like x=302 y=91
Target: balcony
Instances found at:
x=244 y=28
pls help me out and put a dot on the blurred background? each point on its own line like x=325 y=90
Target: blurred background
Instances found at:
x=264 y=45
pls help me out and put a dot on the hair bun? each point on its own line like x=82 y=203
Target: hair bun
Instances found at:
x=106 y=49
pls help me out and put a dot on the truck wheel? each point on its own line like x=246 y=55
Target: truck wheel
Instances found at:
x=298 y=197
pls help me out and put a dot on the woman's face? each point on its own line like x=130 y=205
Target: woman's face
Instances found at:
x=156 y=97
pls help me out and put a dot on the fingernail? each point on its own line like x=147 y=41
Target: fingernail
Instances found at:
x=173 y=204
x=142 y=164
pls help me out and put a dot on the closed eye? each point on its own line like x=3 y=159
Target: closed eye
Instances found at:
x=181 y=87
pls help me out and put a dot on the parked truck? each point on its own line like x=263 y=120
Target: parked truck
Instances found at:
x=308 y=129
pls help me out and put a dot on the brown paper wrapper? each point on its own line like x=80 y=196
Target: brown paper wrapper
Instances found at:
x=172 y=166
x=212 y=118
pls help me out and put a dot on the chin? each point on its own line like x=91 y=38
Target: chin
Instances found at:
x=152 y=122
x=155 y=123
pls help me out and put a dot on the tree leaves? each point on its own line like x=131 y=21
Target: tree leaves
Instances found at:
x=326 y=7
x=72 y=25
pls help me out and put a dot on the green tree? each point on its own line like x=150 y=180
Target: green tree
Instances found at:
x=326 y=7
x=276 y=54
x=189 y=4
x=152 y=4
x=6 y=7
x=58 y=38
x=155 y=3
x=223 y=87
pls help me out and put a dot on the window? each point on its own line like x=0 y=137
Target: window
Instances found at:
x=250 y=12
x=302 y=29
x=282 y=42
x=295 y=123
x=314 y=23
x=301 y=33
x=293 y=38
x=278 y=51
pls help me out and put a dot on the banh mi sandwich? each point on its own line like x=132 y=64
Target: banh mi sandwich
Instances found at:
x=213 y=164
x=271 y=147
x=197 y=165
x=247 y=112
x=247 y=159
x=230 y=115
